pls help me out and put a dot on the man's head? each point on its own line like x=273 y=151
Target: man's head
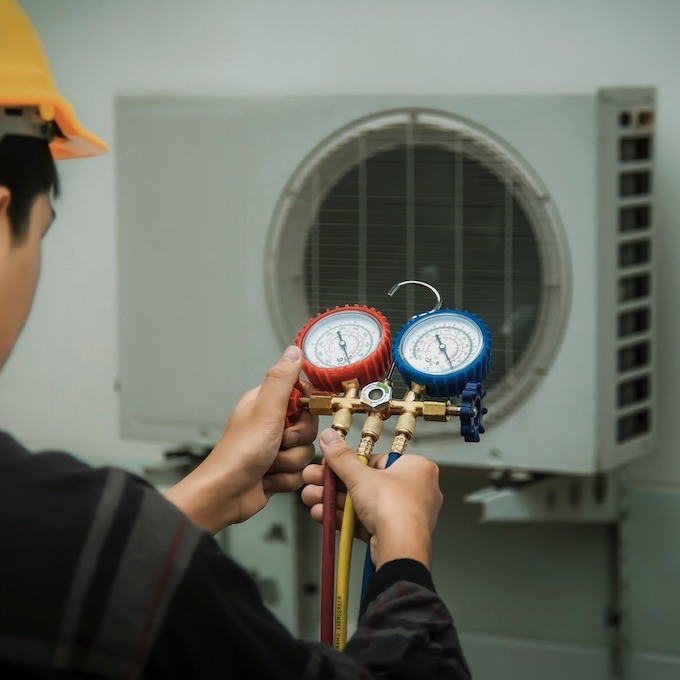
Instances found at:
x=27 y=169
x=37 y=125
x=28 y=180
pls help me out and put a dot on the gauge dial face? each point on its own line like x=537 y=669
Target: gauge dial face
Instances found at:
x=442 y=343
x=341 y=339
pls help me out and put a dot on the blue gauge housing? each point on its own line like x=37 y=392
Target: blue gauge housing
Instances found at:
x=445 y=384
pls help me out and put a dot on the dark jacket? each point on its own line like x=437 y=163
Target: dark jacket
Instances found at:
x=100 y=576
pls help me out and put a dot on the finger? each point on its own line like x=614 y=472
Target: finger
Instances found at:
x=342 y=459
x=302 y=432
x=279 y=381
x=316 y=513
x=311 y=495
x=313 y=474
x=282 y=482
x=292 y=460
x=378 y=461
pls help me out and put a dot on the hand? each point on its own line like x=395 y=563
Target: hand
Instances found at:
x=255 y=457
x=398 y=505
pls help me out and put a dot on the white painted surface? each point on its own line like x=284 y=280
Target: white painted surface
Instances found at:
x=58 y=385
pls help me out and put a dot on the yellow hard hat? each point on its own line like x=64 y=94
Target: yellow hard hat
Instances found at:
x=26 y=83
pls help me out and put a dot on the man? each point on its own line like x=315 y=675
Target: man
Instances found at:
x=103 y=577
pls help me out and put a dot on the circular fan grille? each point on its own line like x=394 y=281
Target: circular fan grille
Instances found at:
x=429 y=196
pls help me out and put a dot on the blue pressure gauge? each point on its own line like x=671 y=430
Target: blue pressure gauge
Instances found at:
x=443 y=350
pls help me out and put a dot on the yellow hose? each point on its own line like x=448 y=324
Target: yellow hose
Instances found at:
x=344 y=562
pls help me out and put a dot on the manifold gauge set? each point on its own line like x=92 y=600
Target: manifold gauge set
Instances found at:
x=443 y=356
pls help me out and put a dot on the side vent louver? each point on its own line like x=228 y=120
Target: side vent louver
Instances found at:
x=635 y=253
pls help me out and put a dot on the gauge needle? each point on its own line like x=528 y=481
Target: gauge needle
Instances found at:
x=343 y=344
x=442 y=347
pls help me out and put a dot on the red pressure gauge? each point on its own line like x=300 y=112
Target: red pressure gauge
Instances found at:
x=345 y=343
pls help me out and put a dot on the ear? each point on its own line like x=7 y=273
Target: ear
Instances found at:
x=5 y=225
x=5 y=198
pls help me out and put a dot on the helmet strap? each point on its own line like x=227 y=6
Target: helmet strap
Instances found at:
x=26 y=121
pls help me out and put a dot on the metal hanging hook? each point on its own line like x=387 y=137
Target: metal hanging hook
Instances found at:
x=392 y=291
x=396 y=287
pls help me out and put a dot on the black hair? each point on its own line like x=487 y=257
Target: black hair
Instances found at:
x=27 y=169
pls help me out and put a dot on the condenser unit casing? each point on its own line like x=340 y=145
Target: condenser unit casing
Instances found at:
x=223 y=257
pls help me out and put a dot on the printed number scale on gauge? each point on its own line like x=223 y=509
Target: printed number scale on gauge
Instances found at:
x=443 y=350
x=442 y=344
x=341 y=339
x=345 y=343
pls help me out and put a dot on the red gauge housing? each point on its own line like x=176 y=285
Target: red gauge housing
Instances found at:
x=294 y=409
x=370 y=368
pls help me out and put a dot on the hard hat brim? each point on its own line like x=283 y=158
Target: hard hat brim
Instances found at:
x=77 y=141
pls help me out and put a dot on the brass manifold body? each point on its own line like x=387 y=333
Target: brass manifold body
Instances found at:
x=411 y=407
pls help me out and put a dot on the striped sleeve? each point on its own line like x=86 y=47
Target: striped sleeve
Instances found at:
x=132 y=560
x=404 y=631
x=110 y=580
x=102 y=555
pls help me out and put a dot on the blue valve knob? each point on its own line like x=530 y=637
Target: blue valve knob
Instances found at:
x=472 y=411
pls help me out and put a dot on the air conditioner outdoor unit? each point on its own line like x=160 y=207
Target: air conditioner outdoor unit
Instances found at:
x=241 y=218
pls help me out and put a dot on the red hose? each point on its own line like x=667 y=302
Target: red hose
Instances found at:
x=328 y=557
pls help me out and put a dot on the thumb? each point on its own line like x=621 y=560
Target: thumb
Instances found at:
x=341 y=458
x=279 y=381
